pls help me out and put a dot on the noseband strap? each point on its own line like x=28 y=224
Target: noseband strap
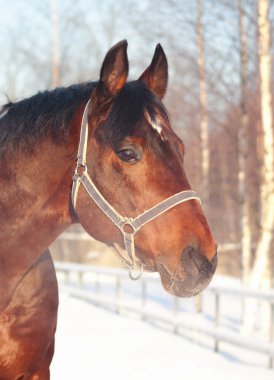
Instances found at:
x=128 y=226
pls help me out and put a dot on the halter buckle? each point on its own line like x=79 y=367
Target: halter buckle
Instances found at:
x=80 y=169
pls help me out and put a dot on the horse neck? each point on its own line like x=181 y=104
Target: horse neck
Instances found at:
x=34 y=207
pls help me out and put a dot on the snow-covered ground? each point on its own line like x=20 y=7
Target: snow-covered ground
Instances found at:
x=95 y=343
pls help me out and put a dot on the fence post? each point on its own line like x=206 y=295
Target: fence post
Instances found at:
x=97 y=283
x=271 y=335
x=176 y=313
x=80 y=278
x=144 y=295
x=216 y=319
x=66 y=274
x=118 y=294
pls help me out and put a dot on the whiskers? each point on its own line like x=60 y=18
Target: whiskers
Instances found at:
x=173 y=277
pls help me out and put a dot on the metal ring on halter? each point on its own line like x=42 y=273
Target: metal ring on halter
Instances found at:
x=139 y=274
x=128 y=224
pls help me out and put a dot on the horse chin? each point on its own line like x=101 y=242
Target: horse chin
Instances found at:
x=182 y=286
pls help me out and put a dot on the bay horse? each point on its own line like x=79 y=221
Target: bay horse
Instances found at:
x=126 y=186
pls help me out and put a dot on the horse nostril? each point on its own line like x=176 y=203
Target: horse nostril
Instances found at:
x=194 y=262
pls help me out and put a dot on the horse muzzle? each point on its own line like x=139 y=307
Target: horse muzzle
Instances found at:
x=192 y=274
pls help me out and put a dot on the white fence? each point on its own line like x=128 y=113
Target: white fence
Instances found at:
x=86 y=282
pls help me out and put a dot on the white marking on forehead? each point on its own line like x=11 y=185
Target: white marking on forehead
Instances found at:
x=156 y=125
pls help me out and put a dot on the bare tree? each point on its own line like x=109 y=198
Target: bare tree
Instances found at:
x=204 y=133
x=203 y=130
x=261 y=275
x=245 y=233
x=55 y=75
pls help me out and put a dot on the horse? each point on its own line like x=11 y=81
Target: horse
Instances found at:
x=102 y=154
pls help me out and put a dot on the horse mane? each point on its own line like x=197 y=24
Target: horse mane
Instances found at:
x=46 y=113
x=49 y=113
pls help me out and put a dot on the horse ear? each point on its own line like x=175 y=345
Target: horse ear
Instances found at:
x=114 y=70
x=156 y=75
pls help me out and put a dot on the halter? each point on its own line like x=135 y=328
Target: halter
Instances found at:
x=128 y=226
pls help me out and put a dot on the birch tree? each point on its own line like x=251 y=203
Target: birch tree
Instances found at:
x=261 y=275
x=204 y=139
x=55 y=75
x=203 y=129
x=245 y=233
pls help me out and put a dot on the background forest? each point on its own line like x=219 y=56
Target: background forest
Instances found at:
x=219 y=97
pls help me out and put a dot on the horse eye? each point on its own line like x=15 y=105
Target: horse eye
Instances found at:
x=128 y=155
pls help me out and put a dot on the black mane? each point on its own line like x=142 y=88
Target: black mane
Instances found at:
x=49 y=112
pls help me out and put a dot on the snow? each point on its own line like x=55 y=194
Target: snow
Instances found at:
x=96 y=343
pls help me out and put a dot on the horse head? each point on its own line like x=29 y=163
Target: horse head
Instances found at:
x=136 y=161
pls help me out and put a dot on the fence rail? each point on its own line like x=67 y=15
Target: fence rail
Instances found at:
x=175 y=320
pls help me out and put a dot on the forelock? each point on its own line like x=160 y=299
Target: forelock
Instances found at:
x=129 y=111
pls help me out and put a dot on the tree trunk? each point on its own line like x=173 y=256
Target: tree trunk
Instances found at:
x=261 y=275
x=55 y=74
x=245 y=233
x=204 y=140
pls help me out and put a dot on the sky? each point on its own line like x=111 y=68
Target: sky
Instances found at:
x=86 y=32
